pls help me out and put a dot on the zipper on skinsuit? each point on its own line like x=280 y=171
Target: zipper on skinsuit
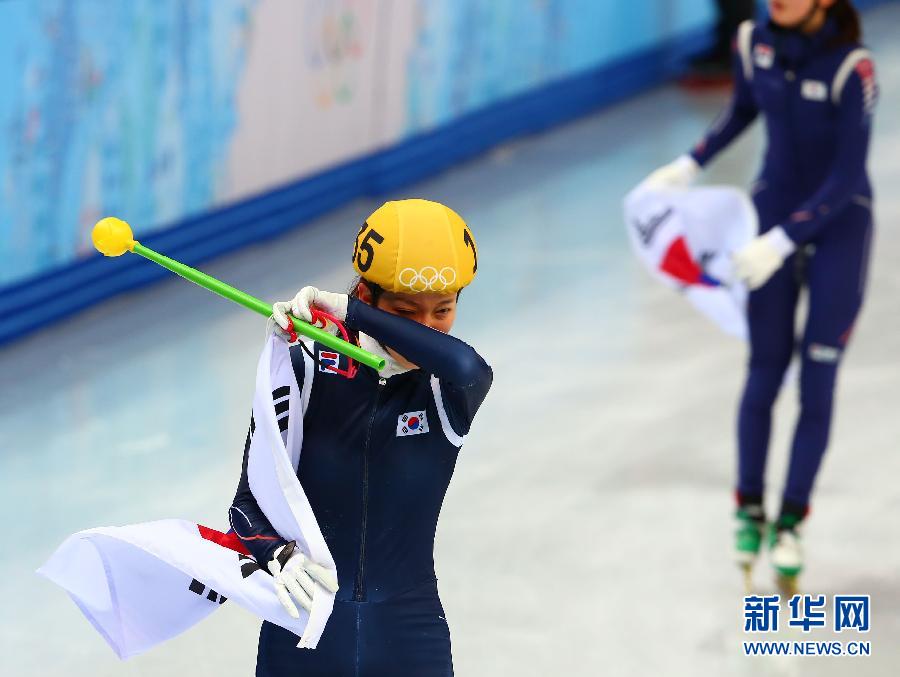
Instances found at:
x=360 y=570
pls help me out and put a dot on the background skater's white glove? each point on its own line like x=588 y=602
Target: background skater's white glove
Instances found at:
x=758 y=260
x=295 y=575
x=680 y=173
x=334 y=304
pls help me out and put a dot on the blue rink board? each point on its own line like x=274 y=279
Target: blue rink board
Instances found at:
x=80 y=285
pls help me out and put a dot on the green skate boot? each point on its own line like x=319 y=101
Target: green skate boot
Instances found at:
x=786 y=553
x=751 y=524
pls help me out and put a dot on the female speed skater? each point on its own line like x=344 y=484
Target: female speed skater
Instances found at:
x=806 y=72
x=378 y=451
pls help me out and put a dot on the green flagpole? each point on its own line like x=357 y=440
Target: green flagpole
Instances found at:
x=113 y=237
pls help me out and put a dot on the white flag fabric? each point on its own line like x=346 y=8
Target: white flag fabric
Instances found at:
x=685 y=238
x=142 y=584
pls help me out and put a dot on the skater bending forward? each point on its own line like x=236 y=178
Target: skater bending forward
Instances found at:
x=806 y=73
x=378 y=451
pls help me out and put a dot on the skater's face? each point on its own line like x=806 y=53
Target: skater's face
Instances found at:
x=433 y=309
x=802 y=14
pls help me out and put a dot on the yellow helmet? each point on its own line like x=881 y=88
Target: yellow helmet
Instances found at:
x=415 y=246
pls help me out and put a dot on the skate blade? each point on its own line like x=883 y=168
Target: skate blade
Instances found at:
x=747 y=569
x=788 y=586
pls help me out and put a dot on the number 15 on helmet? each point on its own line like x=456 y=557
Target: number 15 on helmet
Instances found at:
x=416 y=246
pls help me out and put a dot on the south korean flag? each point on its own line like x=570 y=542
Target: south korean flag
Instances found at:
x=686 y=237
x=412 y=423
x=142 y=584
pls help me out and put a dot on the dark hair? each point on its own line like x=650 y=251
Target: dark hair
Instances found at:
x=376 y=289
x=845 y=16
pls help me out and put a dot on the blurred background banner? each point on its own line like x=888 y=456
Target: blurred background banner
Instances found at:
x=219 y=122
x=112 y=107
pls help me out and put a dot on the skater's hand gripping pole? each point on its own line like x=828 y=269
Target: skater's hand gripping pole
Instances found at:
x=113 y=237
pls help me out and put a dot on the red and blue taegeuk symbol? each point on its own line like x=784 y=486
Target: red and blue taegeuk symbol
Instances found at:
x=413 y=423
x=680 y=264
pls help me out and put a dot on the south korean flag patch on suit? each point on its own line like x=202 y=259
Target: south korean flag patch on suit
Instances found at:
x=412 y=423
x=329 y=361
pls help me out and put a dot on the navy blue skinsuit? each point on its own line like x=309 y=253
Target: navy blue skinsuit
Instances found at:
x=375 y=482
x=817 y=100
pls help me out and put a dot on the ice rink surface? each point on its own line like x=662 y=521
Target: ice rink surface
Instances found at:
x=588 y=527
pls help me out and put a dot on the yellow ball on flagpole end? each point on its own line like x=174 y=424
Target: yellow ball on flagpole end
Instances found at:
x=112 y=236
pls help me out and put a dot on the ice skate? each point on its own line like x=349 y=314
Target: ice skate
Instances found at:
x=751 y=524
x=786 y=553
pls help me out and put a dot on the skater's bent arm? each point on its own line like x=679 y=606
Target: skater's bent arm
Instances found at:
x=848 y=169
x=247 y=519
x=437 y=353
x=464 y=376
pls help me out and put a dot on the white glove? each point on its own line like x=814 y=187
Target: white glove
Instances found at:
x=680 y=173
x=334 y=304
x=758 y=260
x=294 y=573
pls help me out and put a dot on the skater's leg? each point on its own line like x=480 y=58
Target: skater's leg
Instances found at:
x=836 y=278
x=335 y=656
x=770 y=313
x=836 y=275
x=405 y=635
x=771 y=317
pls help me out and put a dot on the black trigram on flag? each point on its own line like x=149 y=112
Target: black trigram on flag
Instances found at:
x=248 y=565
x=282 y=406
x=199 y=589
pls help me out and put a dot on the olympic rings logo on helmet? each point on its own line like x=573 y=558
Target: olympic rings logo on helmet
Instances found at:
x=428 y=278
